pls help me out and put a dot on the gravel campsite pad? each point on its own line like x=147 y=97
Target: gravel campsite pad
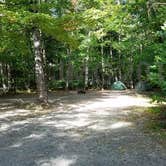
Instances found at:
x=92 y=129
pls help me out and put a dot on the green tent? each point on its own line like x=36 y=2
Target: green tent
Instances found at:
x=118 y=85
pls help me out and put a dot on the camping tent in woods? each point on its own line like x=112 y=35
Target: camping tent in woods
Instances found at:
x=118 y=85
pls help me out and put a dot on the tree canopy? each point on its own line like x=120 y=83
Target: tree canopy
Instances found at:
x=72 y=44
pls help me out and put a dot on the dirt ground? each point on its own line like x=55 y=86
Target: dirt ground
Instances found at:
x=93 y=129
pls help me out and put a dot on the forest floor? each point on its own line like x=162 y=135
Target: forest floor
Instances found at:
x=94 y=129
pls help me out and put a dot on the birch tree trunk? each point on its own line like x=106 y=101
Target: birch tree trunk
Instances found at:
x=8 y=77
x=111 y=66
x=39 y=67
x=86 y=69
x=2 y=75
x=102 y=65
x=119 y=62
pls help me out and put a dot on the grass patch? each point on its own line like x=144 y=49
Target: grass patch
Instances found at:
x=157 y=117
x=156 y=122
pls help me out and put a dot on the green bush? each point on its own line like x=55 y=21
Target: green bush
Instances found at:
x=57 y=85
x=76 y=84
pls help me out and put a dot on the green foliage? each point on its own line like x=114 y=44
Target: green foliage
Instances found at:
x=76 y=84
x=157 y=118
x=113 y=41
x=57 y=85
x=61 y=84
x=159 y=98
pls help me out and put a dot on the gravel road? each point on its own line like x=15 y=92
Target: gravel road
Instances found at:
x=93 y=129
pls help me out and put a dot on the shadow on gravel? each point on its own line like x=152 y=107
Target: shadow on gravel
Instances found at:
x=80 y=131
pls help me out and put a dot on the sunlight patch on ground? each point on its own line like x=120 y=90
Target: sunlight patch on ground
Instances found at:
x=34 y=136
x=118 y=102
x=133 y=101
x=23 y=122
x=117 y=125
x=15 y=112
x=59 y=161
x=17 y=145
x=4 y=127
x=7 y=126
x=69 y=124
x=5 y=108
x=95 y=114
x=80 y=122
x=120 y=125
x=99 y=114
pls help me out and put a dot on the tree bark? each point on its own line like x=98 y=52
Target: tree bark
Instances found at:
x=86 y=69
x=69 y=72
x=102 y=65
x=111 y=66
x=119 y=62
x=39 y=67
x=8 y=77
x=61 y=70
x=4 y=87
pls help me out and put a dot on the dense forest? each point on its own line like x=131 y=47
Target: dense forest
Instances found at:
x=81 y=44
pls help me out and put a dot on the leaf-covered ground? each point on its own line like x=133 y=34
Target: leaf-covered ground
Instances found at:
x=93 y=129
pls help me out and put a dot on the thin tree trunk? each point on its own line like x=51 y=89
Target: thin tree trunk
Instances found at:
x=2 y=77
x=149 y=7
x=102 y=66
x=111 y=66
x=39 y=67
x=69 y=69
x=131 y=72
x=8 y=77
x=87 y=65
x=139 y=70
x=86 y=69
x=61 y=70
x=119 y=63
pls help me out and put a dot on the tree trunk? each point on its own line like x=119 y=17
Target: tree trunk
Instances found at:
x=102 y=66
x=86 y=69
x=69 y=72
x=119 y=62
x=131 y=72
x=4 y=87
x=8 y=77
x=139 y=70
x=39 y=67
x=61 y=70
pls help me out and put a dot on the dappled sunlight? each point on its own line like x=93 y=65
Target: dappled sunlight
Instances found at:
x=5 y=108
x=16 y=145
x=7 y=122
x=34 y=136
x=113 y=126
x=92 y=120
x=117 y=102
x=98 y=114
x=72 y=130
x=79 y=122
x=134 y=101
x=59 y=161
x=14 y=112
x=120 y=125
x=22 y=122
x=4 y=127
